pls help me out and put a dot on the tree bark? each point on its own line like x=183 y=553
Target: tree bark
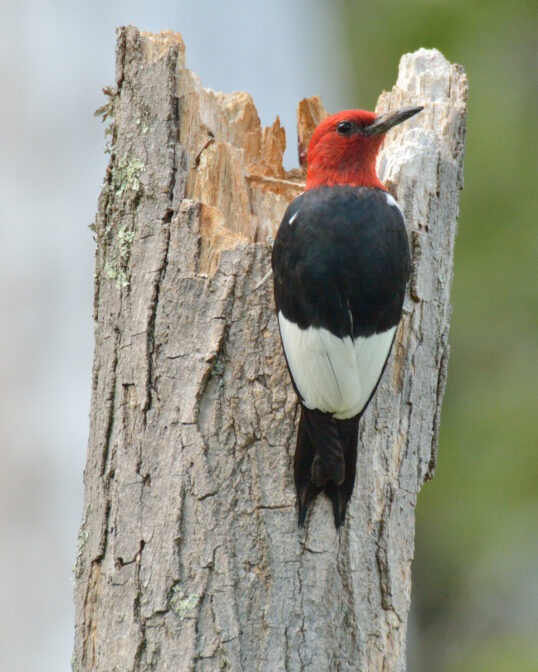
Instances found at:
x=189 y=554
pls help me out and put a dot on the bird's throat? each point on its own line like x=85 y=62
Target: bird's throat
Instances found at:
x=343 y=163
x=351 y=175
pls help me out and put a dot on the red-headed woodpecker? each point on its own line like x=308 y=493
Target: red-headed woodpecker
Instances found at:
x=340 y=265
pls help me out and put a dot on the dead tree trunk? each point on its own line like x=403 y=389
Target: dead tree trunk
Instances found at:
x=189 y=554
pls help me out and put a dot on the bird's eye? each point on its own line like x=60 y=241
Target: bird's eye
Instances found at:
x=344 y=127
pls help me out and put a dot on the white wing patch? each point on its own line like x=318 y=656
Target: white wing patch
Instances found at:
x=293 y=217
x=391 y=201
x=335 y=375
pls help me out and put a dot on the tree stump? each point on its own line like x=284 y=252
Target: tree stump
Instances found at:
x=189 y=554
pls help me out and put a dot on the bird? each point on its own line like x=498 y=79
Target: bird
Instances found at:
x=340 y=263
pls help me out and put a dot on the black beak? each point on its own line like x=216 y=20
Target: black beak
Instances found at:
x=386 y=120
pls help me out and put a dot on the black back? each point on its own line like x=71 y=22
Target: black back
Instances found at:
x=344 y=261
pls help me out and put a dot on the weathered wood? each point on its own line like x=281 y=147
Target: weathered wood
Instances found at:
x=189 y=554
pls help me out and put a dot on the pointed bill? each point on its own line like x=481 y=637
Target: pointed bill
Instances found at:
x=386 y=120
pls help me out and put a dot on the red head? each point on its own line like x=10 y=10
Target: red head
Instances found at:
x=344 y=146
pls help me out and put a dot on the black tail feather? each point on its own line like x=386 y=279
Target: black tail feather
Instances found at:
x=306 y=493
x=328 y=463
x=302 y=467
x=325 y=459
x=340 y=495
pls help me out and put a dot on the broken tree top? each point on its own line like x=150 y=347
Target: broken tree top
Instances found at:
x=234 y=167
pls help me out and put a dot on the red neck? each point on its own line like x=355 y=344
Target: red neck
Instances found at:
x=353 y=175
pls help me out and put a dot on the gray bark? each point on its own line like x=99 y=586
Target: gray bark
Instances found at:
x=189 y=555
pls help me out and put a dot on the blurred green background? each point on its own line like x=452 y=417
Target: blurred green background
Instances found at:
x=475 y=593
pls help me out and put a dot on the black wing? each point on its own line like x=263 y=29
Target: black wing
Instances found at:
x=341 y=261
